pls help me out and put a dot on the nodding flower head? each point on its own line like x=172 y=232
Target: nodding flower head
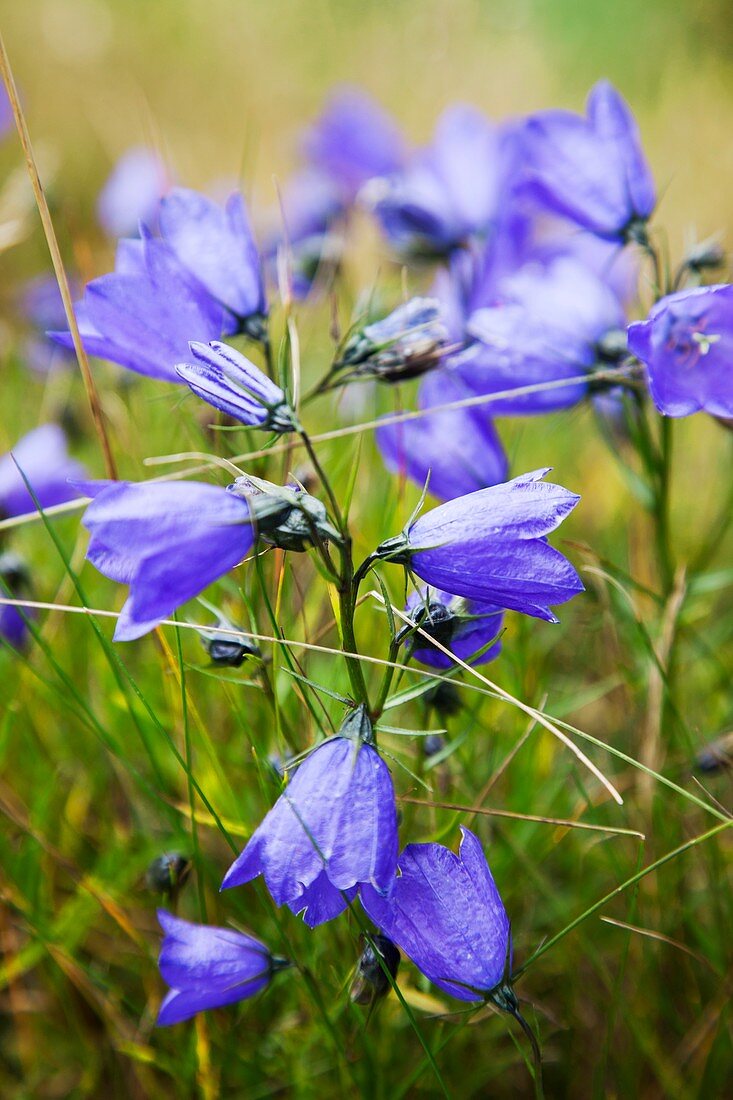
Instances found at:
x=468 y=628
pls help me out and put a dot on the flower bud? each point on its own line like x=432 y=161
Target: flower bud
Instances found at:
x=167 y=874
x=716 y=756
x=403 y=345
x=285 y=516
x=371 y=983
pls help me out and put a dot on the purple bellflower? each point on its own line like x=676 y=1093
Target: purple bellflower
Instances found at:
x=42 y=306
x=353 y=141
x=14 y=584
x=333 y=828
x=208 y=967
x=313 y=214
x=131 y=193
x=42 y=457
x=548 y=327
x=227 y=380
x=449 y=191
x=166 y=540
x=468 y=628
x=217 y=248
x=458 y=449
x=146 y=311
x=491 y=546
x=591 y=170
x=686 y=344
x=446 y=914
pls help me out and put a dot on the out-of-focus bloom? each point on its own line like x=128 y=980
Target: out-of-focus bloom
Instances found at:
x=228 y=380
x=466 y=627
x=716 y=756
x=208 y=967
x=42 y=459
x=167 y=874
x=448 y=192
x=42 y=306
x=446 y=914
x=686 y=344
x=215 y=245
x=371 y=982
x=146 y=311
x=459 y=448
x=6 y=113
x=333 y=828
x=353 y=141
x=14 y=584
x=547 y=328
x=285 y=515
x=591 y=170
x=132 y=192
x=313 y=214
x=491 y=546
x=167 y=541
x=406 y=343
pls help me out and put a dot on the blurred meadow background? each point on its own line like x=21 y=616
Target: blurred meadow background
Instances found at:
x=94 y=738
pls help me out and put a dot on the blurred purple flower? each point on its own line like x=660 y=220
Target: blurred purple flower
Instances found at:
x=42 y=306
x=132 y=192
x=546 y=328
x=6 y=112
x=449 y=191
x=459 y=448
x=591 y=170
x=491 y=546
x=231 y=383
x=144 y=314
x=333 y=828
x=42 y=457
x=446 y=914
x=208 y=967
x=353 y=141
x=687 y=346
x=463 y=626
x=14 y=584
x=166 y=540
x=216 y=246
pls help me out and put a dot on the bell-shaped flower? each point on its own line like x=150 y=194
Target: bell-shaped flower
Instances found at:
x=132 y=192
x=227 y=380
x=41 y=459
x=208 y=967
x=333 y=828
x=591 y=170
x=166 y=540
x=492 y=546
x=353 y=141
x=453 y=451
x=217 y=247
x=686 y=344
x=446 y=914
x=468 y=628
x=450 y=191
x=146 y=311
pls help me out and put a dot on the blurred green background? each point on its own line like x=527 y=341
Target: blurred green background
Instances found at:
x=223 y=89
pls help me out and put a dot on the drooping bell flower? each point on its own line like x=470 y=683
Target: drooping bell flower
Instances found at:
x=468 y=628
x=547 y=326
x=42 y=459
x=166 y=540
x=216 y=246
x=132 y=192
x=593 y=169
x=686 y=344
x=449 y=191
x=453 y=451
x=226 y=379
x=492 y=546
x=333 y=828
x=146 y=311
x=208 y=967
x=353 y=141
x=447 y=915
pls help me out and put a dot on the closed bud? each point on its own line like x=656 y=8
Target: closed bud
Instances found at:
x=167 y=874
x=408 y=342
x=705 y=256
x=380 y=961
x=285 y=515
